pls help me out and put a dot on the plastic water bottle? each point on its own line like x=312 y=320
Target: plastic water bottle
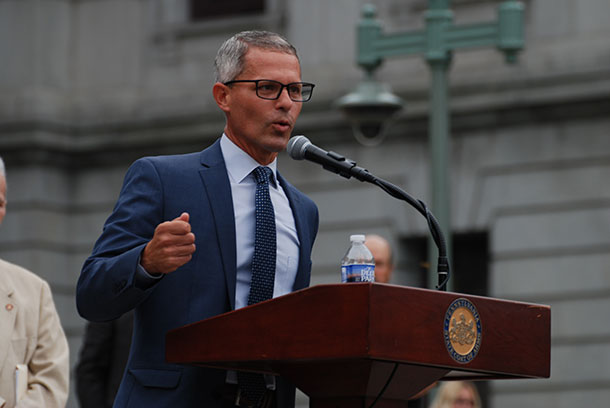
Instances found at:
x=358 y=264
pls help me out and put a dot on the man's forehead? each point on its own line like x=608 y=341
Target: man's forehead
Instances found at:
x=258 y=52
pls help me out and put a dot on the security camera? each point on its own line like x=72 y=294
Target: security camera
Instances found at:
x=369 y=110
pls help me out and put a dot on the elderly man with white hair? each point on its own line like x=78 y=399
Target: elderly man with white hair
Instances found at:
x=34 y=366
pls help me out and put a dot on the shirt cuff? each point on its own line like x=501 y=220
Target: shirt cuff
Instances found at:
x=145 y=280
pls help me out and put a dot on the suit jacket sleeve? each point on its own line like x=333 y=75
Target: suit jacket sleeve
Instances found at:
x=107 y=286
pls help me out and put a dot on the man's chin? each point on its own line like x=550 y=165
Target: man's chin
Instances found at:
x=279 y=142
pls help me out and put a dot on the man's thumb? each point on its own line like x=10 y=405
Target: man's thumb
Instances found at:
x=183 y=217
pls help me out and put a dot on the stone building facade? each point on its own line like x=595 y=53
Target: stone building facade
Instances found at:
x=88 y=86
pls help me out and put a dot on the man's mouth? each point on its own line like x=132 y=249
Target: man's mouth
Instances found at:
x=282 y=125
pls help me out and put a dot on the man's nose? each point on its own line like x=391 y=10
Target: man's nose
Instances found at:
x=284 y=99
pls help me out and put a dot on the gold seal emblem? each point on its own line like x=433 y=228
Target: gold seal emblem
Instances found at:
x=462 y=330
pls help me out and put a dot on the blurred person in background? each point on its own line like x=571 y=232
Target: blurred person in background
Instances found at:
x=457 y=394
x=102 y=360
x=384 y=259
x=34 y=357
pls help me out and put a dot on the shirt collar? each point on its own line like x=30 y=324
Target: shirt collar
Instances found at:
x=239 y=163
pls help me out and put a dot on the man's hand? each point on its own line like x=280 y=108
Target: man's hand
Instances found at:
x=172 y=245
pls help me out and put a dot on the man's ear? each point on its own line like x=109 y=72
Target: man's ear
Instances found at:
x=222 y=96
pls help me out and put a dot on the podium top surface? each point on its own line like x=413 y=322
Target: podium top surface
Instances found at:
x=469 y=336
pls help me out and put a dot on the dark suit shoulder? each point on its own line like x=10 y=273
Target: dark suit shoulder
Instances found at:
x=171 y=161
x=210 y=156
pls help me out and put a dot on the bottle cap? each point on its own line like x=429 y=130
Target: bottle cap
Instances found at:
x=356 y=238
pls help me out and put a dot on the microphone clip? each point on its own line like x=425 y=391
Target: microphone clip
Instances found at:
x=343 y=167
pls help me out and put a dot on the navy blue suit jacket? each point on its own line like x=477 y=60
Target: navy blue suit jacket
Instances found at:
x=158 y=189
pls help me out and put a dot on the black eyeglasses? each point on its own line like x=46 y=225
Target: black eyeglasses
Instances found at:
x=270 y=89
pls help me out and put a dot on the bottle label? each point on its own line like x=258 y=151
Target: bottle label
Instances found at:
x=358 y=273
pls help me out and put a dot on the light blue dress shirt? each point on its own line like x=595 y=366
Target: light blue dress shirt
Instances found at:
x=243 y=189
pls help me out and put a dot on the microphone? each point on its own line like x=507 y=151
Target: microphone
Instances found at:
x=299 y=148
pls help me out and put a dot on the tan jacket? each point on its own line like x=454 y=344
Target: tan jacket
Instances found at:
x=31 y=334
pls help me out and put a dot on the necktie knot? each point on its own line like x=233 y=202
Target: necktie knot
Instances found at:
x=262 y=174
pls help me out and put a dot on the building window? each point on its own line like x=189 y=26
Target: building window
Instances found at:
x=209 y=9
x=470 y=262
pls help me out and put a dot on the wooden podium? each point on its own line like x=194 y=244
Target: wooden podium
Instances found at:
x=341 y=343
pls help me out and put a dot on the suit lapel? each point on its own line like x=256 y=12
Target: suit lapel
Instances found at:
x=218 y=190
x=302 y=278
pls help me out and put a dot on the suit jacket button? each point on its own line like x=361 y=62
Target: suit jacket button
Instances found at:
x=9 y=307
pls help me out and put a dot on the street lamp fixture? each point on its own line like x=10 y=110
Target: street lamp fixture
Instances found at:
x=370 y=109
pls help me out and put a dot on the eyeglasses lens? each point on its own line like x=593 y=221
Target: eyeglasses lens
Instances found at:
x=272 y=90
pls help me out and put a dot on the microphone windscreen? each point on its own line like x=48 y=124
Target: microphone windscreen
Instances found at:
x=296 y=147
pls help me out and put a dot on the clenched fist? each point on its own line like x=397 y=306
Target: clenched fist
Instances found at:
x=172 y=245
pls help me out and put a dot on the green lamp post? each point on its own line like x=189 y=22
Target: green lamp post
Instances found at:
x=435 y=43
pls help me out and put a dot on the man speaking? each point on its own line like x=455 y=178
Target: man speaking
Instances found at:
x=192 y=236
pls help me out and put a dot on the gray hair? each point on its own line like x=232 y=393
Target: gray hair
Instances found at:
x=230 y=59
x=2 y=168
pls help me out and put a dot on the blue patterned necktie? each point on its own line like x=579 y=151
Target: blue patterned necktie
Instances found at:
x=263 y=261
x=263 y=270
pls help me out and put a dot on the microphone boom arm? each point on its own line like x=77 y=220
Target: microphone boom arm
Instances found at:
x=443 y=267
